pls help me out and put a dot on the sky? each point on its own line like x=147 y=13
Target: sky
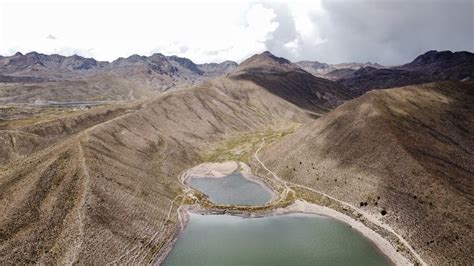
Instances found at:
x=389 y=32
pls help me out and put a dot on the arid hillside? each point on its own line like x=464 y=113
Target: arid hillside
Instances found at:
x=101 y=185
x=404 y=155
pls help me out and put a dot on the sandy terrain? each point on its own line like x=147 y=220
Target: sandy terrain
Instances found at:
x=215 y=170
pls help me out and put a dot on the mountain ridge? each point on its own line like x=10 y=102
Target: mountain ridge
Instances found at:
x=34 y=76
x=287 y=80
x=322 y=70
x=428 y=67
x=20 y=62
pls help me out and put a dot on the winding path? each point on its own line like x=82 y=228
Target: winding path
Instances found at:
x=367 y=215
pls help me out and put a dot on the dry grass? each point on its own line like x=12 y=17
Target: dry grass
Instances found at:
x=242 y=147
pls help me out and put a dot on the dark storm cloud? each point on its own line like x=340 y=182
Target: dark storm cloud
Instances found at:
x=388 y=32
x=284 y=33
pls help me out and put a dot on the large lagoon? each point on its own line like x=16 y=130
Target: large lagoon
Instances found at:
x=291 y=239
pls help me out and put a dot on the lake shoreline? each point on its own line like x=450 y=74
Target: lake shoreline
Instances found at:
x=298 y=206
x=218 y=170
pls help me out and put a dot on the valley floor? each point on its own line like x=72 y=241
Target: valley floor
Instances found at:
x=291 y=198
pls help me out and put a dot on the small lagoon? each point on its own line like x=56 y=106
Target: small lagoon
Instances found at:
x=232 y=189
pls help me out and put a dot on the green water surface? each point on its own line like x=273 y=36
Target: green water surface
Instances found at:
x=292 y=239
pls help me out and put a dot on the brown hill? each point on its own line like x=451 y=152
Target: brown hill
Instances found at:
x=266 y=61
x=100 y=185
x=285 y=79
x=408 y=151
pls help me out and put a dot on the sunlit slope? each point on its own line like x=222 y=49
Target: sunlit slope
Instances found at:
x=106 y=192
x=101 y=185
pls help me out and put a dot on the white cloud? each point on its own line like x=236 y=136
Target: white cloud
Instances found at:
x=260 y=23
x=293 y=46
x=201 y=31
x=226 y=30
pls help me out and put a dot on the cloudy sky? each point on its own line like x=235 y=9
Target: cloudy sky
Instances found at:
x=383 y=31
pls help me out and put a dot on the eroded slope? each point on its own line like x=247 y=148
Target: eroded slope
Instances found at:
x=405 y=151
x=108 y=191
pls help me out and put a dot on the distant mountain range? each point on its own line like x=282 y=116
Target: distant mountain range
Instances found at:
x=322 y=69
x=159 y=71
x=138 y=76
x=428 y=67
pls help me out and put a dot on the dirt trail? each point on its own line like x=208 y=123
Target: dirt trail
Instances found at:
x=72 y=255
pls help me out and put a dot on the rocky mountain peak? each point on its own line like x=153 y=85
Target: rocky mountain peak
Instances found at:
x=186 y=63
x=267 y=60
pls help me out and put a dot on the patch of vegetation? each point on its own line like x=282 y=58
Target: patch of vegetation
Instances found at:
x=18 y=117
x=188 y=201
x=242 y=147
